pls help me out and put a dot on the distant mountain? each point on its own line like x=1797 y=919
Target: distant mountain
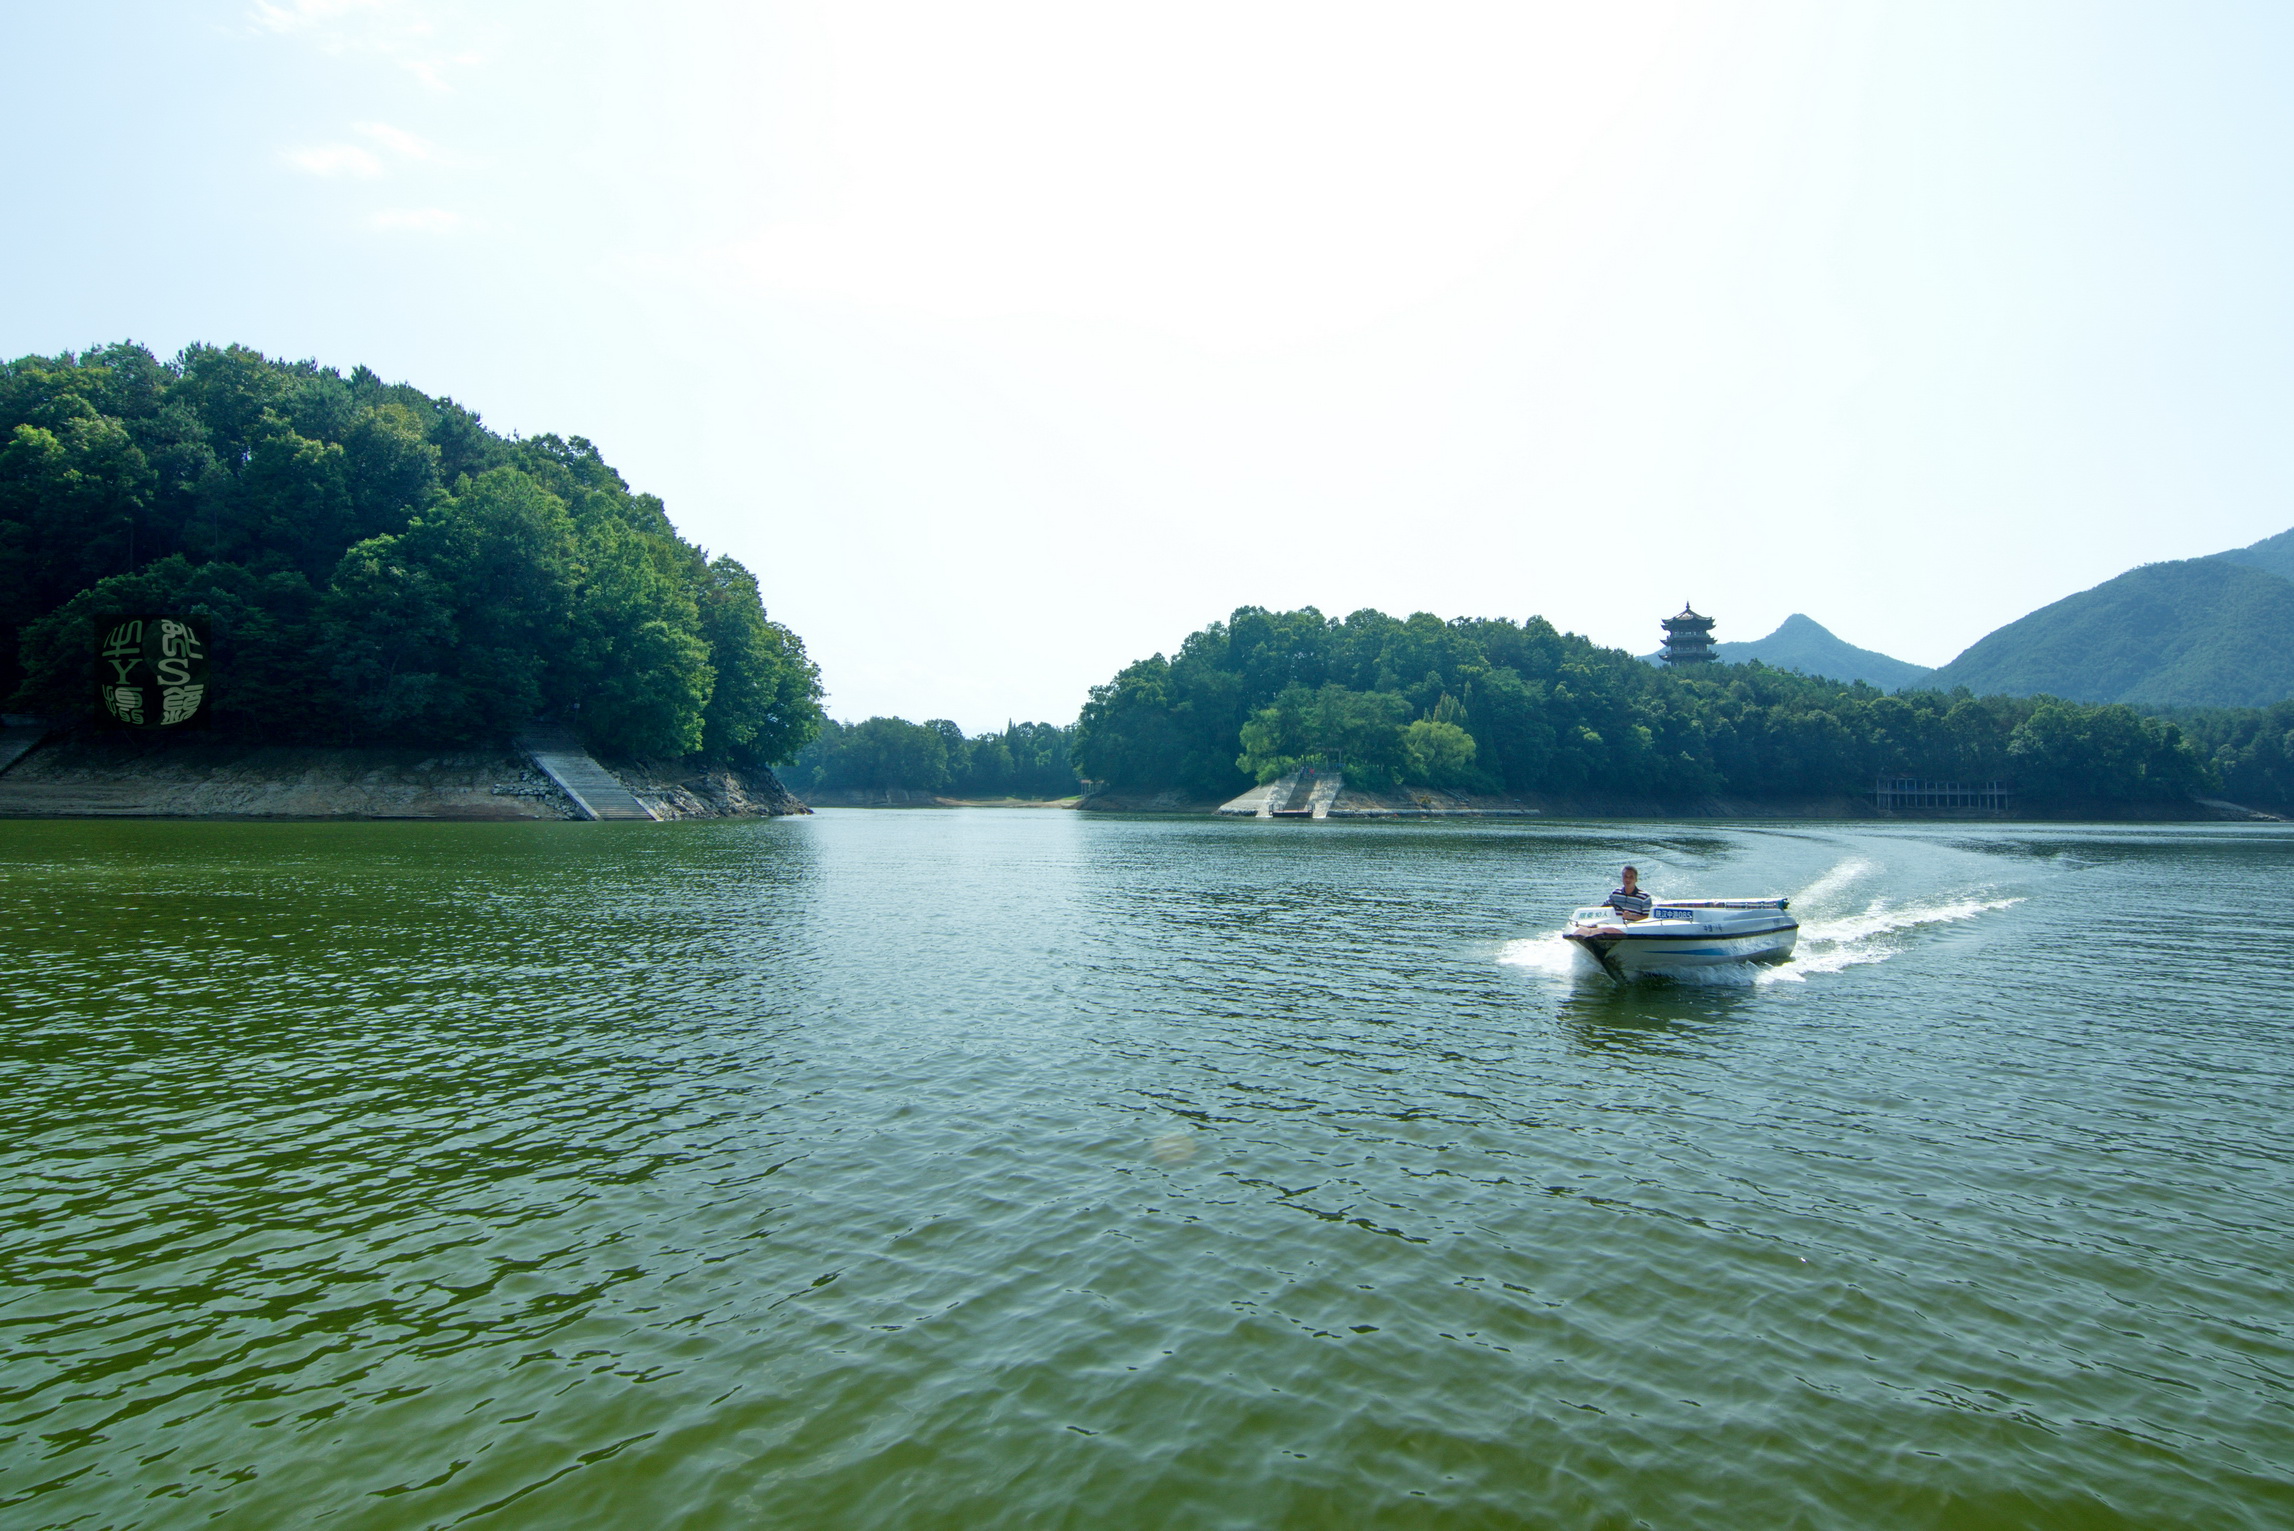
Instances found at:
x=2272 y=555
x=1804 y=644
x=2203 y=632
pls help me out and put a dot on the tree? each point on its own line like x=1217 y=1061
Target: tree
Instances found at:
x=636 y=666
x=263 y=664
x=1550 y=712
x=766 y=705
x=2111 y=753
x=894 y=754
x=1331 y=728
x=1437 y=754
x=388 y=567
x=878 y=755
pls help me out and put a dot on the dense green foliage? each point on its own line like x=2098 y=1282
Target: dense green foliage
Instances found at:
x=2205 y=632
x=1025 y=760
x=1540 y=711
x=2272 y=555
x=2251 y=750
x=375 y=563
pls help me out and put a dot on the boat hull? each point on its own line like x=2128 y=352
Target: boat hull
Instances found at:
x=1634 y=953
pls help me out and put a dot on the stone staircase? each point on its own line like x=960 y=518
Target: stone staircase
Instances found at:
x=597 y=792
x=1304 y=794
x=1297 y=801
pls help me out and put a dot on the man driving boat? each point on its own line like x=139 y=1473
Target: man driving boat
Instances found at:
x=1629 y=901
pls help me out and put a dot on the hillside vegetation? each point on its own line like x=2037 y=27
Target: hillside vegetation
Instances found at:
x=2272 y=555
x=375 y=563
x=1802 y=643
x=1488 y=704
x=2204 y=632
x=1023 y=760
x=2249 y=749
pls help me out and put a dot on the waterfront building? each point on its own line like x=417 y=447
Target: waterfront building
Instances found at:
x=1688 y=638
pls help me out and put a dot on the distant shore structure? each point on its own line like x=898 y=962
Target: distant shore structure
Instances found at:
x=1688 y=638
x=1893 y=792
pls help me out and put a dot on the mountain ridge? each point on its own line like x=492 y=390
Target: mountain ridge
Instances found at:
x=2215 y=631
x=1802 y=643
x=2272 y=555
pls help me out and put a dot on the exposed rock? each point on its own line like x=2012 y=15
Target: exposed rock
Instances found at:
x=530 y=783
x=126 y=775
x=1350 y=802
x=676 y=789
x=135 y=776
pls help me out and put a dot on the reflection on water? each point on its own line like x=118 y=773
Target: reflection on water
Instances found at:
x=1606 y=1019
x=1016 y=1168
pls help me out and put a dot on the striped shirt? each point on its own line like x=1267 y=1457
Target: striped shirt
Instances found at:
x=1628 y=903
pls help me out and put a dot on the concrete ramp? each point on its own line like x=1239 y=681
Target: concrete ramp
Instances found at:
x=1300 y=795
x=597 y=792
x=1252 y=804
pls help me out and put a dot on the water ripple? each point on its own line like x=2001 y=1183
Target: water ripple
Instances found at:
x=932 y=1169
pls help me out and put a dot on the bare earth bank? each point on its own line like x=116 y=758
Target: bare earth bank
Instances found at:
x=127 y=777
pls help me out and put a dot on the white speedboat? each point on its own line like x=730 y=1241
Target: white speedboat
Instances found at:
x=1685 y=933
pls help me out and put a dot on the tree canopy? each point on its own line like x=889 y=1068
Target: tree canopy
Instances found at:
x=2250 y=749
x=1494 y=705
x=1027 y=760
x=375 y=564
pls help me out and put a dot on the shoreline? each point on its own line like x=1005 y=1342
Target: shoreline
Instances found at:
x=902 y=797
x=1536 y=808
x=116 y=777
x=113 y=776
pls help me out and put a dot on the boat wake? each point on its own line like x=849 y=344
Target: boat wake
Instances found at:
x=1829 y=942
x=1827 y=946
x=1827 y=889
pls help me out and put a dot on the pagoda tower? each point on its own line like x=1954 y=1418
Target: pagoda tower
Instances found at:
x=1688 y=638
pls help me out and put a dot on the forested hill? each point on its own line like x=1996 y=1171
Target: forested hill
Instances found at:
x=1021 y=760
x=1802 y=643
x=1483 y=704
x=2272 y=555
x=375 y=563
x=2202 y=632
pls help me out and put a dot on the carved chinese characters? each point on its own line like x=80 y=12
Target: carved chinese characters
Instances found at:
x=151 y=671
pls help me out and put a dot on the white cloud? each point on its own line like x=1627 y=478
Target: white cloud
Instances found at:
x=415 y=220
x=339 y=159
x=336 y=159
x=398 y=141
x=432 y=71
x=341 y=23
x=398 y=30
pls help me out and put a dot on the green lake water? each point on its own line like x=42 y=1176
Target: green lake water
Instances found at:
x=1012 y=1168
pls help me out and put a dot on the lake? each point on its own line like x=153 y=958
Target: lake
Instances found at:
x=1025 y=1168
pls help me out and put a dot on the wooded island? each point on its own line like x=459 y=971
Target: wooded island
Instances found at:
x=376 y=566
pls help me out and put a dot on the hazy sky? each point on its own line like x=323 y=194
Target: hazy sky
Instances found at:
x=1008 y=343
